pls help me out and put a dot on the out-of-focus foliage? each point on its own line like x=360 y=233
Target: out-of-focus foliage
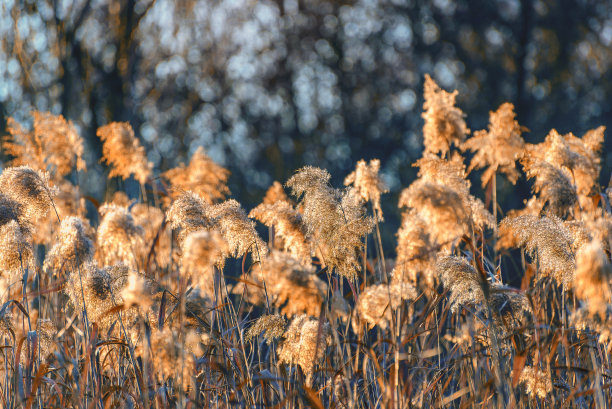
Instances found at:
x=268 y=86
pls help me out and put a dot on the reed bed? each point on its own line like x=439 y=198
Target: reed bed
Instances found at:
x=171 y=297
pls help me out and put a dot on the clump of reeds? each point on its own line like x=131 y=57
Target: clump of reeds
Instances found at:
x=174 y=299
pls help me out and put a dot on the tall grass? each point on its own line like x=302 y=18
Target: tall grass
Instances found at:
x=173 y=299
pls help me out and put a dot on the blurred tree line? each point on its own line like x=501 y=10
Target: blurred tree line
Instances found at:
x=269 y=86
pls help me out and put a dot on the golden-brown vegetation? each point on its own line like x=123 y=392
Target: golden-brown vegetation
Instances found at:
x=174 y=300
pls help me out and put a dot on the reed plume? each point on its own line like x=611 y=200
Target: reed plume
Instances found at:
x=592 y=278
x=368 y=184
x=275 y=193
x=546 y=239
x=579 y=156
x=272 y=326
x=378 y=302
x=31 y=189
x=46 y=332
x=441 y=206
x=53 y=145
x=155 y=235
x=444 y=123
x=237 y=230
x=510 y=307
x=464 y=283
x=500 y=147
x=289 y=228
x=202 y=176
x=98 y=292
x=201 y=252
x=122 y=151
x=9 y=210
x=68 y=201
x=537 y=382
x=118 y=236
x=290 y=285
x=442 y=195
x=188 y=214
x=304 y=344
x=415 y=252
x=136 y=292
x=554 y=186
x=335 y=223
x=16 y=251
x=73 y=246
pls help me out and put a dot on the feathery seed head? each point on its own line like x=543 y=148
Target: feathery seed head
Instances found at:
x=31 y=189
x=16 y=250
x=335 y=223
x=122 y=151
x=72 y=247
x=462 y=279
x=377 y=302
x=272 y=326
x=444 y=123
x=53 y=145
x=500 y=147
x=187 y=214
x=237 y=230
x=275 y=193
x=552 y=184
x=368 y=183
x=289 y=229
x=537 y=383
x=290 y=285
x=441 y=206
x=545 y=238
x=592 y=278
x=118 y=235
x=415 y=251
x=201 y=251
x=202 y=176
x=304 y=345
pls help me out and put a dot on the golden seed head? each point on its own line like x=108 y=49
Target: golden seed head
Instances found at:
x=289 y=228
x=118 y=236
x=368 y=184
x=377 y=302
x=537 y=383
x=202 y=176
x=275 y=193
x=290 y=285
x=203 y=250
x=29 y=188
x=304 y=344
x=15 y=252
x=336 y=222
x=122 y=151
x=463 y=281
x=592 y=278
x=237 y=230
x=72 y=247
x=444 y=123
x=53 y=145
x=500 y=147
x=546 y=239
x=271 y=326
x=187 y=214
